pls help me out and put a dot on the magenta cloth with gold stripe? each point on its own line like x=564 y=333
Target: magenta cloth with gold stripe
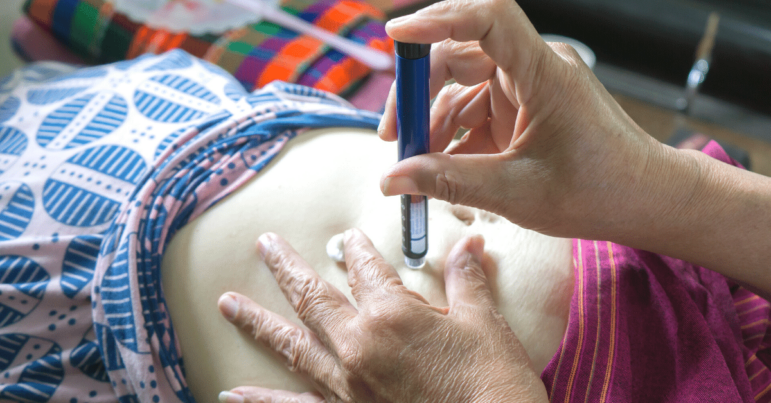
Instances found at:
x=649 y=328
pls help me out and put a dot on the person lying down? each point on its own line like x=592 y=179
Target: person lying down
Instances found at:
x=122 y=166
x=323 y=183
x=131 y=196
x=214 y=195
x=626 y=317
x=100 y=169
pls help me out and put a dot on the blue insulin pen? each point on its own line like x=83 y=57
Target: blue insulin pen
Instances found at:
x=412 y=125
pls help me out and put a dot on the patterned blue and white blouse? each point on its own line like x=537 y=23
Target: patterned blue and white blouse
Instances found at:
x=99 y=167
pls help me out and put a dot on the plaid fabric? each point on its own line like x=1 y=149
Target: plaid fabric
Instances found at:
x=255 y=55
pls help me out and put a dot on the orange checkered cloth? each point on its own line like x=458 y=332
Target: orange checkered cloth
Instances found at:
x=255 y=55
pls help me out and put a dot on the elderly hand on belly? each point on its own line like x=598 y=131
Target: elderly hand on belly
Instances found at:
x=393 y=346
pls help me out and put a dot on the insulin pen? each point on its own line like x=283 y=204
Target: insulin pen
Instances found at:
x=412 y=125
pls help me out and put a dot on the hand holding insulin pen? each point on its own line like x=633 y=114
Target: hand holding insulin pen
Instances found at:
x=412 y=126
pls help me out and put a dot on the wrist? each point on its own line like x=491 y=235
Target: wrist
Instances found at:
x=646 y=181
x=525 y=388
x=696 y=208
x=667 y=189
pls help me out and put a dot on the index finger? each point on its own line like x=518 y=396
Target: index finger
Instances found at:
x=368 y=273
x=466 y=63
x=500 y=26
x=320 y=305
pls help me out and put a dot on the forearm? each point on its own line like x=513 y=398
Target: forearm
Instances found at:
x=706 y=212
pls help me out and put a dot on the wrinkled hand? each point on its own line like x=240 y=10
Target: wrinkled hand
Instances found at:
x=394 y=346
x=548 y=147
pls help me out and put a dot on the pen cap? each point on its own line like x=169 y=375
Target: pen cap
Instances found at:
x=412 y=50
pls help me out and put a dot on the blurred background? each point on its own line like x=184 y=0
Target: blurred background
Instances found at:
x=685 y=70
x=8 y=58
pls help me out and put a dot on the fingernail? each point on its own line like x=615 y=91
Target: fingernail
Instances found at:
x=227 y=397
x=476 y=249
x=381 y=126
x=399 y=185
x=264 y=243
x=228 y=306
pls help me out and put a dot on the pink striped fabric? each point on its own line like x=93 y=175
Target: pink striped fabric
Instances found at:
x=649 y=328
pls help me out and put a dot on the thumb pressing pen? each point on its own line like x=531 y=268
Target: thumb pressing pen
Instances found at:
x=412 y=125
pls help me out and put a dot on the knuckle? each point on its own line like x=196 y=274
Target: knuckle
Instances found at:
x=379 y=319
x=386 y=315
x=278 y=259
x=567 y=53
x=309 y=293
x=354 y=282
x=367 y=265
x=479 y=284
x=574 y=53
x=438 y=8
x=443 y=98
x=255 y=323
x=475 y=280
x=392 y=282
x=473 y=269
x=446 y=105
x=367 y=273
x=448 y=188
x=354 y=277
x=294 y=347
x=455 y=91
x=444 y=48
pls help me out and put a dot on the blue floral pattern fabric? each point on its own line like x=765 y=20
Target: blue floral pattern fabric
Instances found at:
x=99 y=168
